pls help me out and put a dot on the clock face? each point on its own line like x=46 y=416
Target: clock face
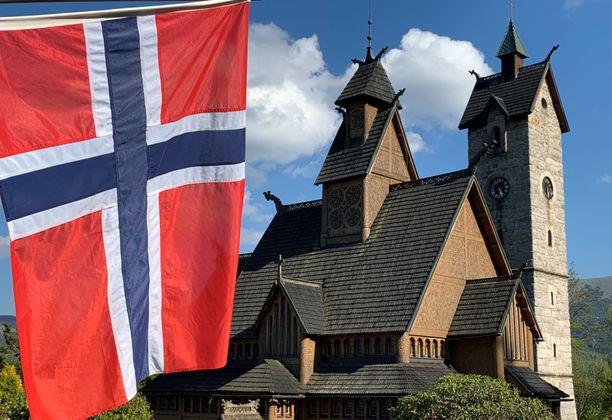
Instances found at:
x=547 y=188
x=499 y=188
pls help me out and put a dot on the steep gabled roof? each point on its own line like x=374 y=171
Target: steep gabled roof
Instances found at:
x=518 y=95
x=345 y=161
x=484 y=307
x=403 y=247
x=512 y=44
x=267 y=378
x=306 y=300
x=369 y=81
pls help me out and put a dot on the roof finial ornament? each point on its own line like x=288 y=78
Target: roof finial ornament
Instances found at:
x=279 y=267
x=510 y=7
x=486 y=148
x=550 y=53
x=369 y=53
x=473 y=73
x=277 y=202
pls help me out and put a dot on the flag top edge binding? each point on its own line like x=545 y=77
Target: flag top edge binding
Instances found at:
x=61 y=19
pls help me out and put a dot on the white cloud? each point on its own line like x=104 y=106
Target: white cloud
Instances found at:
x=606 y=178
x=416 y=142
x=290 y=96
x=254 y=211
x=5 y=244
x=250 y=237
x=434 y=71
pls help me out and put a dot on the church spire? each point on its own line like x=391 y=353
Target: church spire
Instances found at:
x=369 y=58
x=511 y=52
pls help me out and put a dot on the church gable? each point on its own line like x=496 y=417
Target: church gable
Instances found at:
x=392 y=157
x=471 y=251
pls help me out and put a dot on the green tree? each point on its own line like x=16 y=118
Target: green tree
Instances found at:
x=136 y=409
x=592 y=374
x=466 y=397
x=12 y=396
x=9 y=352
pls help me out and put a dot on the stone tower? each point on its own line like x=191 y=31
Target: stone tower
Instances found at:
x=522 y=175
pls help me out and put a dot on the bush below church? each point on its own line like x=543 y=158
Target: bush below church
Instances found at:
x=467 y=397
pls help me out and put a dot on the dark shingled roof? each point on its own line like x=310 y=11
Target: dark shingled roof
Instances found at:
x=483 y=306
x=267 y=378
x=517 y=94
x=347 y=161
x=307 y=299
x=512 y=43
x=371 y=81
x=533 y=385
x=379 y=379
x=405 y=241
x=242 y=260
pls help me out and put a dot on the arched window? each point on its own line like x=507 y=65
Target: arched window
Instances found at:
x=366 y=347
x=357 y=347
x=247 y=351
x=420 y=348
x=412 y=347
x=497 y=135
x=232 y=351
x=268 y=350
x=428 y=348
x=435 y=348
x=552 y=298
x=337 y=348
x=255 y=351
x=240 y=353
x=549 y=238
x=377 y=346
x=554 y=350
x=347 y=347
x=442 y=349
x=328 y=348
x=390 y=346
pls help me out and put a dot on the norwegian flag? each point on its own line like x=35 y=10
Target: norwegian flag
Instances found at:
x=122 y=177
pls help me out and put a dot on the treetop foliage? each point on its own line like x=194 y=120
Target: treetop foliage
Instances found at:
x=467 y=397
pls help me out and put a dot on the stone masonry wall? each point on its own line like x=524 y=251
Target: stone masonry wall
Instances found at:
x=525 y=217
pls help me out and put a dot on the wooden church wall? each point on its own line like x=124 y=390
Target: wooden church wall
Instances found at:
x=465 y=256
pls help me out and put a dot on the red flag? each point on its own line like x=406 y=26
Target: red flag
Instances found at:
x=122 y=177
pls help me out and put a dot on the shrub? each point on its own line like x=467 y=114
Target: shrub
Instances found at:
x=467 y=397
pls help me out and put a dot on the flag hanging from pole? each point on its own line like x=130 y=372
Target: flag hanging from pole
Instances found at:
x=121 y=177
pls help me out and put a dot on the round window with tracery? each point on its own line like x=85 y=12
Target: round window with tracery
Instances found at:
x=335 y=219
x=353 y=195
x=336 y=197
x=353 y=216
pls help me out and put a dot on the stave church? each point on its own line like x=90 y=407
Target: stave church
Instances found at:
x=391 y=281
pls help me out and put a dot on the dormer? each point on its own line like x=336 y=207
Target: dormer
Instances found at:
x=369 y=153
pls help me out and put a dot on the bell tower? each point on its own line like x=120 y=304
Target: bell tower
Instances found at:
x=369 y=153
x=518 y=113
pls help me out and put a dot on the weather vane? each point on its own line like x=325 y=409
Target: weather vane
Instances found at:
x=370 y=24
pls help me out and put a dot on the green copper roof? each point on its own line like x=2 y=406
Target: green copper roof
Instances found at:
x=512 y=43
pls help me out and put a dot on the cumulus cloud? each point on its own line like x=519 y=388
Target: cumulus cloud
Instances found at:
x=290 y=96
x=254 y=211
x=416 y=142
x=434 y=71
x=606 y=178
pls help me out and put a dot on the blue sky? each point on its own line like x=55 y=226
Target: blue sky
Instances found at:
x=300 y=59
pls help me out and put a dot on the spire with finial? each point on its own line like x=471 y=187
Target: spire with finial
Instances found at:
x=511 y=52
x=369 y=52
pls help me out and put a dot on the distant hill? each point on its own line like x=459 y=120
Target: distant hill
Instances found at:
x=602 y=283
x=9 y=320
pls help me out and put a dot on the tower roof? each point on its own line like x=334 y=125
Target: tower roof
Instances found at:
x=370 y=81
x=511 y=44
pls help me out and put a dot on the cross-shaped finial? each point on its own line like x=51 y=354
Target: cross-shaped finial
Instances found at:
x=510 y=7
